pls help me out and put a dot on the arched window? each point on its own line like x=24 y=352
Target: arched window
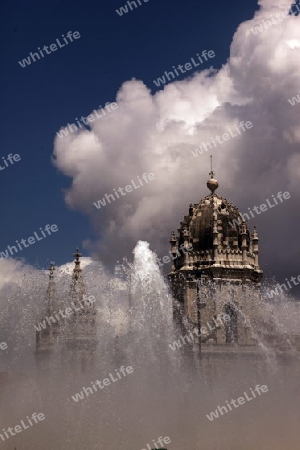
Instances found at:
x=231 y=329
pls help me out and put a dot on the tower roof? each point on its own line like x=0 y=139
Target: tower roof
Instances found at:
x=213 y=210
x=77 y=288
x=202 y=215
x=219 y=237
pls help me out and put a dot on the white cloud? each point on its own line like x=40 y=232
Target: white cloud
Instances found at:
x=12 y=271
x=156 y=133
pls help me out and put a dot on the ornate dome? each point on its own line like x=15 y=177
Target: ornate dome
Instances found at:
x=201 y=219
x=217 y=237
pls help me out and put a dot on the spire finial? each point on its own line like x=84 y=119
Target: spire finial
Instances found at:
x=77 y=255
x=212 y=174
x=77 y=268
x=51 y=271
x=77 y=280
x=212 y=183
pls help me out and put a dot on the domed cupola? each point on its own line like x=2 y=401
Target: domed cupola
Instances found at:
x=221 y=241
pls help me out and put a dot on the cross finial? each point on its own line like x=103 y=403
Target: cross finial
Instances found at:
x=212 y=183
x=212 y=173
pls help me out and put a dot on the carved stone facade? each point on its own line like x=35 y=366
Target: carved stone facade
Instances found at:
x=219 y=275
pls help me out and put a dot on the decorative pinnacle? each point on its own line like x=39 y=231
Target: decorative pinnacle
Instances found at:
x=77 y=287
x=77 y=269
x=77 y=255
x=51 y=271
x=173 y=237
x=255 y=234
x=212 y=183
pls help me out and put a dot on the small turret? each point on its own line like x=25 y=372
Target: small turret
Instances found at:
x=255 y=246
x=174 y=249
x=77 y=287
x=244 y=245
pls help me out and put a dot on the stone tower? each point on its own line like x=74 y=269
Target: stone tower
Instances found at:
x=80 y=337
x=69 y=330
x=217 y=273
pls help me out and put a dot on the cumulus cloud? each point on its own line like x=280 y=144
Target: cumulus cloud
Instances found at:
x=10 y=270
x=156 y=133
